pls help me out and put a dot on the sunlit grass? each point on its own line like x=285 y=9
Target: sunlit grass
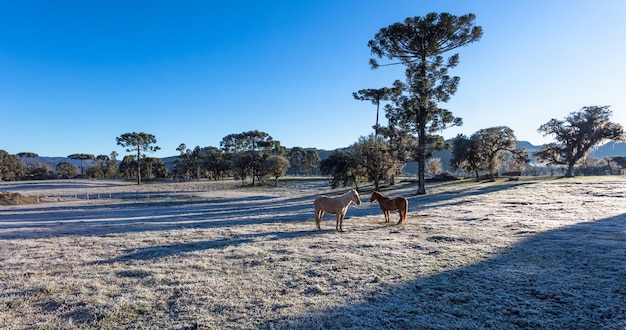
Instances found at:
x=528 y=254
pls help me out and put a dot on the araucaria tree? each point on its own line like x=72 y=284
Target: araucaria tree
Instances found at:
x=374 y=95
x=418 y=43
x=577 y=134
x=82 y=158
x=138 y=142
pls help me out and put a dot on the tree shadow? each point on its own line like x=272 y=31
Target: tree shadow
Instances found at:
x=568 y=278
x=153 y=252
x=33 y=221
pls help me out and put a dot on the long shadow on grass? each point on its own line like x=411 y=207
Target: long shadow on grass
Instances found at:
x=569 y=278
x=154 y=252
x=167 y=214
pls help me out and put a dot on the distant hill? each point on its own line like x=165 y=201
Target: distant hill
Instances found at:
x=611 y=149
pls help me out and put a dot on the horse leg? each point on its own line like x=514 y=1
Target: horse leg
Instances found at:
x=318 y=218
x=387 y=216
x=401 y=213
x=339 y=225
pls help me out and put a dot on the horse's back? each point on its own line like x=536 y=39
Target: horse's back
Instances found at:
x=327 y=204
x=396 y=203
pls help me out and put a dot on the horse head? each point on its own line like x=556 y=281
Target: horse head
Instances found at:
x=375 y=196
x=355 y=197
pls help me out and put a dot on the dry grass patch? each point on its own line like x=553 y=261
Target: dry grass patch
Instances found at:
x=528 y=254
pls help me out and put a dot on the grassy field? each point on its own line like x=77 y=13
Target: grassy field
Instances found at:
x=540 y=253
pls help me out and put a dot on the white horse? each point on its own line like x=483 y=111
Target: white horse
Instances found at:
x=335 y=205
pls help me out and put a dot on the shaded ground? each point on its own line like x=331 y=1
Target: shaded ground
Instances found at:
x=514 y=255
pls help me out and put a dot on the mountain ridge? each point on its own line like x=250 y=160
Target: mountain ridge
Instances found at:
x=610 y=149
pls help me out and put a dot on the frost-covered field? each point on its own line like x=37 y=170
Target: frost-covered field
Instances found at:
x=530 y=254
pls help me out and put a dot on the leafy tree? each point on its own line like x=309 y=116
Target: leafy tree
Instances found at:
x=296 y=158
x=66 y=170
x=82 y=158
x=376 y=158
x=311 y=161
x=241 y=165
x=11 y=166
x=577 y=134
x=434 y=166
x=101 y=167
x=343 y=168
x=485 y=150
x=138 y=142
x=111 y=165
x=182 y=164
x=620 y=161
x=27 y=155
x=275 y=166
x=41 y=171
x=153 y=168
x=215 y=162
x=194 y=160
x=375 y=95
x=95 y=171
x=128 y=167
x=418 y=43
x=466 y=155
x=493 y=143
x=248 y=150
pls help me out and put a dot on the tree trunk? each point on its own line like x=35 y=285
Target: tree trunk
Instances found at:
x=421 y=158
x=569 y=171
x=138 y=165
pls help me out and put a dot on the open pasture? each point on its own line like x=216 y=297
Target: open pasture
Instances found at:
x=547 y=253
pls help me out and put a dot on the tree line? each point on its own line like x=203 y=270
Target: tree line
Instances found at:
x=415 y=120
x=373 y=159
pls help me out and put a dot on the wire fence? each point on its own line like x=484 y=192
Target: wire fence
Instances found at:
x=143 y=192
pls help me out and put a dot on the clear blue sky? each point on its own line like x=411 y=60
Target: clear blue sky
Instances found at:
x=74 y=75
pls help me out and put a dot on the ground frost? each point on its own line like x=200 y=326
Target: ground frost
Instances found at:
x=528 y=254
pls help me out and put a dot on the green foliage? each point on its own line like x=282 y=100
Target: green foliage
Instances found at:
x=296 y=158
x=138 y=142
x=82 y=158
x=66 y=170
x=376 y=158
x=485 y=151
x=27 y=155
x=375 y=96
x=151 y=167
x=311 y=161
x=418 y=43
x=248 y=150
x=577 y=134
x=11 y=167
x=344 y=169
x=275 y=167
x=620 y=161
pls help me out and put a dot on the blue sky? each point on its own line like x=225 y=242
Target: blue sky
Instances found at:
x=74 y=75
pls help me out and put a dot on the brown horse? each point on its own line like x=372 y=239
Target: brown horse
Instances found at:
x=335 y=205
x=391 y=204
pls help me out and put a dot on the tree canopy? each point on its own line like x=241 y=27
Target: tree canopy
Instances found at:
x=485 y=150
x=418 y=43
x=82 y=158
x=138 y=142
x=577 y=134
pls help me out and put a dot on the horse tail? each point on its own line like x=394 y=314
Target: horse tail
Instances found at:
x=406 y=209
x=316 y=204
